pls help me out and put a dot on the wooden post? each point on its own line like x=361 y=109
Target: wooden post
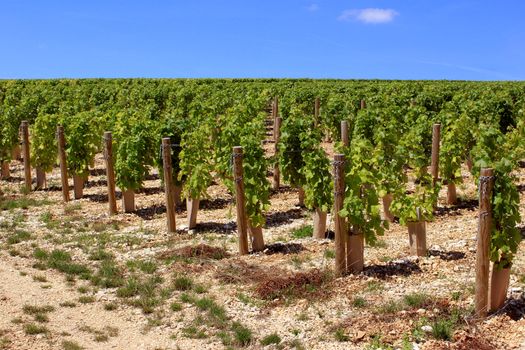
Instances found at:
x=319 y=223
x=61 y=141
x=317 y=107
x=417 y=236
x=242 y=221
x=256 y=237
x=128 y=201
x=300 y=196
x=40 y=178
x=451 y=193
x=344 y=133
x=5 y=170
x=192 y=208
x=486 y=184
x=434 y=165
x=276 y=171
x=363 y=104
x=355 y=247
x=78 y=186
x=15 y=153
x=25 y=151
x=340 y=232
x=110 y=172
x=387 y=201
x=168 y=184
x=275 y=114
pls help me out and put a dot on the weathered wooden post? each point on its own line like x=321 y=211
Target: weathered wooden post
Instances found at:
x=363 y=104
x=275 y=113
x=242 y=221
x=276 y=171
x=110 y=172
x=344 y=133
x=128 y=201
x=25 y=151
x=340 y=231
x=434 y=165
x=5 y=170
x=40 y=178
x=355 y=245
x=61 y=142
x=486 y=184
x=317 y=107
x=168 y=184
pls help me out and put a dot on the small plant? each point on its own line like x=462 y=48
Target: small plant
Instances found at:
x=68 y=304
x=39 y=278
x=71 y=345
x=193 y=333
x=18 y=236
x=416 y=300
x=183 y=283
x=359 y=302
x=340 y=335
x=329 y=254
x=303 y=232
x=110 y=306
x=273 y=338
x=243 y=335
x=33 y=328
x=86 y=299
x=175 y=307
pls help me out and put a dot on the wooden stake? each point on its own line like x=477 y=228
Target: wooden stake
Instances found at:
x=340 y=232
x=319 y=223
x=300 y=196
x=417 y=235
x=344 y=133
x=276 y=170
x=25 y=151
x=256 y=237
x=128 y=201
x=317 y=107
x=387 y=201
x=363 y=104
x=434 y=165
x=40 y=178
x=110 y=172
x=242 y=222
x=486 y=184
x=61 y=141
x=355 y=261
x=192 y=208
x=168 y=184
x=5 y=170
x=451 y=193
x=78 y=186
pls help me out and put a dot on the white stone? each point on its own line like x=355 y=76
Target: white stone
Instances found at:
x=427 y=328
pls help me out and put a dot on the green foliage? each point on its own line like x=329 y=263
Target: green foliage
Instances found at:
x=83 y=136
x=135 y=149
x=500 y=152
x=303 y=162
x=456 y=139
x=243 y=125
x=416 y=206
x=361 y=202
x=195 y=160
x=292 y=150
x=43 y=141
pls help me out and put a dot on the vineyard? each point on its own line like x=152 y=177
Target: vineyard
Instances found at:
x=276 y=214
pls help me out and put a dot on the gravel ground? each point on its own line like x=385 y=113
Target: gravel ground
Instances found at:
x=352 y=312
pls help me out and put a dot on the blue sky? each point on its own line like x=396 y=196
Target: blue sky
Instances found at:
x=403 y=39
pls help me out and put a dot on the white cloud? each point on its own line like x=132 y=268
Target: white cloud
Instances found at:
x=369 y=15
x=313 y=8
